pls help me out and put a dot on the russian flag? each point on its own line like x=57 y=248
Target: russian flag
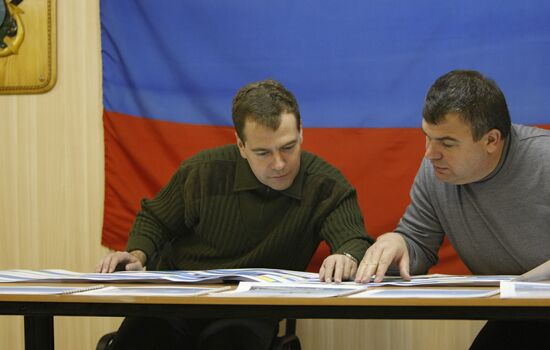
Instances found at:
x=359 y=68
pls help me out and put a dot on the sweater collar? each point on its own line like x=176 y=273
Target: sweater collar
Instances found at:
x=508 y=144
x=245 y=180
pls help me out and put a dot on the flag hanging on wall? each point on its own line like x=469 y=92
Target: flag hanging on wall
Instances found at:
x=359 y=69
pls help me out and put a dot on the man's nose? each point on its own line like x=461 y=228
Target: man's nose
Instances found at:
x=432 y=151
x=278 y=161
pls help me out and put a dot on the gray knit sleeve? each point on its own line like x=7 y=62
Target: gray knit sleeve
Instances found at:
x=420 y=225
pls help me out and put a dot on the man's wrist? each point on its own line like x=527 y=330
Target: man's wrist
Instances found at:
x=348 y=255
x=140 y=255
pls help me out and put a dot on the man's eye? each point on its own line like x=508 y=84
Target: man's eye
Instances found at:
x=261 y=154
x=447 y=145
x=288 y=148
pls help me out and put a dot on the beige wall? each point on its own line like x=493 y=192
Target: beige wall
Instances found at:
x=51 y=199
x=51 y=173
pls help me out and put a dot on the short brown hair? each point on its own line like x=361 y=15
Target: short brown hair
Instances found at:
x=475 y=98
x=263 y=102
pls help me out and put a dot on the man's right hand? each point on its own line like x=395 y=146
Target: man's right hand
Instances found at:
x=132 y=261
x=389 y=248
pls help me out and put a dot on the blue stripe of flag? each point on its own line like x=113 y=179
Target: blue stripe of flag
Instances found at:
x=360 y=63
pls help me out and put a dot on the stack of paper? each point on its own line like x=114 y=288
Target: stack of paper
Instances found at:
x=208 y=276
x=262 y=282
x=100 y=290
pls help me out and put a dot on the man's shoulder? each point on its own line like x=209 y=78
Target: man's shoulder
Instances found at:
x=525 y=132
x=218 y=162
x=315 y=166
x=532 y=141
x=227 y=153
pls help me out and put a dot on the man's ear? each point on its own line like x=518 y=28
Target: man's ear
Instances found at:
x=493 y=140
x=240 y=144
x=301 y=135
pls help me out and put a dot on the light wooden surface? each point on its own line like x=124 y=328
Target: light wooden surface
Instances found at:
x=322 y=334
x=51 y=200
x=494 y=301
x=51 y=173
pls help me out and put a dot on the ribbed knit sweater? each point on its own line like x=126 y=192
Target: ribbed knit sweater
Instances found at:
x=215 y=214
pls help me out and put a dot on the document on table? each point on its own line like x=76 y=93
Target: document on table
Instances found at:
x=534 y=290
x=446 y=281
x=207 y=276
x=292 y=290
x=45 y=290
x=426 y=293
x=101 y=290
x=166 y=291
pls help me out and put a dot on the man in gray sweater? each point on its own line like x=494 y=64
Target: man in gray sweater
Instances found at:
x=485 y=183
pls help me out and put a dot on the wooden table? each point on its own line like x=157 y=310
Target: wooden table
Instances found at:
x=39 y=310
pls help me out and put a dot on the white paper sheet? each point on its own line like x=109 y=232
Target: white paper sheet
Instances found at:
x=293 y=290
x=426 y=293
x=154 y=291
x=528 y=290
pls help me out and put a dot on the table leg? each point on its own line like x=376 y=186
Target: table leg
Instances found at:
x=39 y=332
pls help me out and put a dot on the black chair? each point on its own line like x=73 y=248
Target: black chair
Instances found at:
x=287 y=341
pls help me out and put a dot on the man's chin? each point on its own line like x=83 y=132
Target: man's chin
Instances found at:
x=448 y=179
x=443 y=177
x=279 y=185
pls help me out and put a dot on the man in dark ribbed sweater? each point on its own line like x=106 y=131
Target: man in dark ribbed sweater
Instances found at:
x=260 y=203
x=485 y=184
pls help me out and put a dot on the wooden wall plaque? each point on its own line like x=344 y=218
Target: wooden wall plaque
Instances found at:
x=28 y=60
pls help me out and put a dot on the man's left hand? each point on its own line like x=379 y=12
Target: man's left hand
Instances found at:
x=338 y=268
